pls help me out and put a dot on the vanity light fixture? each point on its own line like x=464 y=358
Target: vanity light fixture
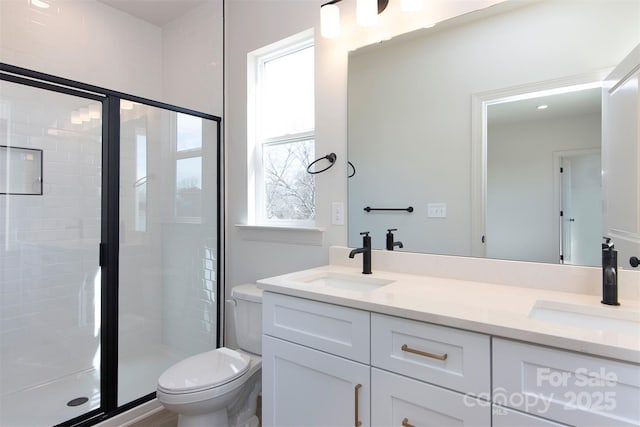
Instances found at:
x=366 y=15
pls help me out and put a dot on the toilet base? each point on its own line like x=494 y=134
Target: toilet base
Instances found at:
x=212 y=419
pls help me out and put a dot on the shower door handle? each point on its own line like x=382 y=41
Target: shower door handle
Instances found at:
x=102 y=256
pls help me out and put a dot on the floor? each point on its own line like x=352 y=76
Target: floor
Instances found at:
x=46 y=404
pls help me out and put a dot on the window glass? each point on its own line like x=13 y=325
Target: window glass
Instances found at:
x=289 y=189
x=288 y=94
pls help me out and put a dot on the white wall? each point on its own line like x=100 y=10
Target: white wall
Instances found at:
x=521 y=209
x=85 y=41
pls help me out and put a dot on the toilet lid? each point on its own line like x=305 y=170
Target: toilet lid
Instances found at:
x=204 y=371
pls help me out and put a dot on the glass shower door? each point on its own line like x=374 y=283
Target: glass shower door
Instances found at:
x=50 y=217
x=168 y=281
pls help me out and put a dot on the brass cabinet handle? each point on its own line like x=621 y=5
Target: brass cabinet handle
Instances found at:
x=424 y=353
x=405 y=423
x=358 y=423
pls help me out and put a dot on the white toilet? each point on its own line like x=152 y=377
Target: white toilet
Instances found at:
x=220 y=387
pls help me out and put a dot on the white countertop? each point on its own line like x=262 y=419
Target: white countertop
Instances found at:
x=498 y=310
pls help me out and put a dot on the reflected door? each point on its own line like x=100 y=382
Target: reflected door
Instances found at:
x=621 y=155
x=581 y=219
x=50 y=217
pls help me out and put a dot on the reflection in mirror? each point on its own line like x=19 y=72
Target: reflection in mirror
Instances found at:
x=543 y=190
x=413 y=132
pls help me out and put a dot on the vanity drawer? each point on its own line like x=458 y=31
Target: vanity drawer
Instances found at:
x=397 y=400
x=443 y=356
x=572 y=388
x=337 y=330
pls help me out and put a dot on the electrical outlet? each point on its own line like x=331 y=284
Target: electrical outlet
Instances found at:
x=437 y=210
x=337 y=213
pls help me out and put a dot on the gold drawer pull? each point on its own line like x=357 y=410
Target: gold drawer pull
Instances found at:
x=424 y=353
x=405 y=423
x=358 y=423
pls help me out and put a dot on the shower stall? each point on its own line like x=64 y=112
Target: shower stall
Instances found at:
x=109 y=246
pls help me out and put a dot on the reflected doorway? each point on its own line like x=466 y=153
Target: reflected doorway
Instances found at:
x=523 y=195
x=581 y=207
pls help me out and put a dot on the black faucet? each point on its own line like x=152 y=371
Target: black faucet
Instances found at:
x=390 y=243
x=609 y=273
x=365 y=250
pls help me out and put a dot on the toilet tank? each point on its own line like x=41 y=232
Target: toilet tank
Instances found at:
x=248 y=317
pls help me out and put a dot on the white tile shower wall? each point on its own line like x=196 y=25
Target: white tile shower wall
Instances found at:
x=190 y=288
x=85 y=41
x=49 y=259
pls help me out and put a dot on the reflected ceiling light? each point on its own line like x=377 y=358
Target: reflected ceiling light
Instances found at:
x=76 y=119
x=126 y=105
x=542 y=107
x=84 y=114
x=366 y=14
x=41 y=4
x=95 y=111
x=411 y=5
x=330 y=20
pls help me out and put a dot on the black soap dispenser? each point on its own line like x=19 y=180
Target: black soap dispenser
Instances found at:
x=609 y=273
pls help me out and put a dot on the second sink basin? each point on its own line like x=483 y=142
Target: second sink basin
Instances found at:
x=596 y=318
x=344 y=281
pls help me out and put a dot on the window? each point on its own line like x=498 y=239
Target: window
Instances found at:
x=281 y=132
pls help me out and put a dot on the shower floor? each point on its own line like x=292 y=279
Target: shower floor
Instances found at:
x=46 y=404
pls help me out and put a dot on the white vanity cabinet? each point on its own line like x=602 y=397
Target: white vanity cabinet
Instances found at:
x=317 y=369
x=315 y=364
x=425 y=374
x=564 y=386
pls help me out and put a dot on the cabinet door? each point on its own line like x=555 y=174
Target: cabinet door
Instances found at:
x=306 y=387
x=401 y=401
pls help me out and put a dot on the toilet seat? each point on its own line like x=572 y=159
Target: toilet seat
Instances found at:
x=204 y=371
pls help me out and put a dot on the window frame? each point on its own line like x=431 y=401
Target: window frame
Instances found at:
x=256 y=61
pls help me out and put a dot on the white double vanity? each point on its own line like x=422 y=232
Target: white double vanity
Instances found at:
x=418 y=342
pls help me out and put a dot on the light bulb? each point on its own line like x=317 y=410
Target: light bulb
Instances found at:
x=411 y=5
x=330 y=21
x=367 y=12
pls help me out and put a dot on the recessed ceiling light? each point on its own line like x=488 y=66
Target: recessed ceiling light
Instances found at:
x=542 y=107
x=40 y=3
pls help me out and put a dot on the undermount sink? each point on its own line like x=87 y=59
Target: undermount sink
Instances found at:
x=613 y=319
x=344 y=281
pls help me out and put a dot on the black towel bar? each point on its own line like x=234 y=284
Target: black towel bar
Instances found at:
x=369 y=209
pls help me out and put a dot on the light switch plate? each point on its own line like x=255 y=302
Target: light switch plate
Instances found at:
x=337 y=213
x=437 y=210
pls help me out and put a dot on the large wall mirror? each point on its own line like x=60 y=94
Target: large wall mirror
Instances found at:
x=451 y=121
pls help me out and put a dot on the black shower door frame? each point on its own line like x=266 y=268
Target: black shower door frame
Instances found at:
x=110 y=227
